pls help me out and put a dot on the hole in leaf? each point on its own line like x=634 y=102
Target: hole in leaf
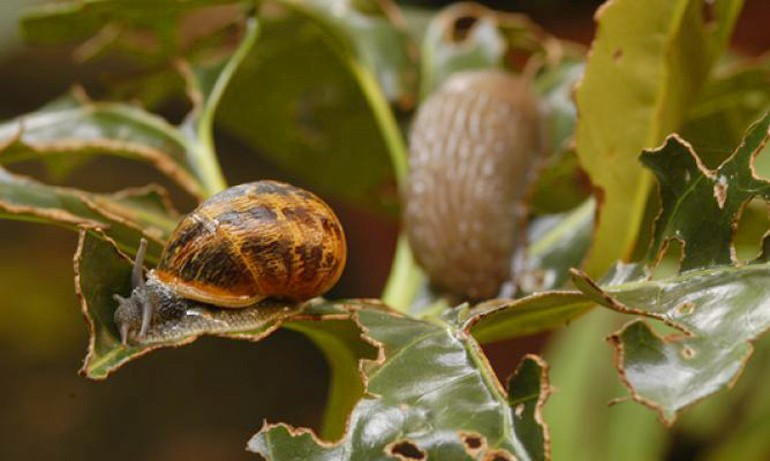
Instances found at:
x=405 y=450
x=474 y=442
x=462 y=28
x=752 y=225
x=499 y=455
x=687 y=352
x=686 y=308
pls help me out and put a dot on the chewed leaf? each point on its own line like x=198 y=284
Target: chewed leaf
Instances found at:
x=647 y=64
x=718 y=311
x=125 y=216
x=700 y=207
x=101 y=271
x=83 y=127
x=406 y=418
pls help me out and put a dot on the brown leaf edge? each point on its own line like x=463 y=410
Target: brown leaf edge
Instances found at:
x=619 y=363
x=154 y=157
x=66 y=218
x=367 y=364
x=593 y=291
x=136 y=352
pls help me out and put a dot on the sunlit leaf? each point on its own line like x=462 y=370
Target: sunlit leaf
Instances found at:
x=408 y=416
x=646 y=66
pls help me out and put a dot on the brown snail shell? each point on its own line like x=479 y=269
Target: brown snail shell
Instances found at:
x=258 y=240
x=473 y=147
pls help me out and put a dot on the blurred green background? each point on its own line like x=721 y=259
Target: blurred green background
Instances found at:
x=200 y=402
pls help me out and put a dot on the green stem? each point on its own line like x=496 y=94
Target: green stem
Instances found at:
x=405 y=278
x=206 y=162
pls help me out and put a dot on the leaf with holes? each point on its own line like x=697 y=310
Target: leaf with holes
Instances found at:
x=647 y=64
x=76 y=126
x=700 y=207
x=424 y=369
x=717 y=306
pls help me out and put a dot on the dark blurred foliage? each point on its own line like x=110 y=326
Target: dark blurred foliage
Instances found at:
x=200 y=402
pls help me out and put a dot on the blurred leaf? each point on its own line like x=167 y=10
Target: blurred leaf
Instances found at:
x=583 y=427
x=152 y=29
x=468 y=36
x=125 y=216
x=77 y=126
x=646 y=66
x=701 y=207
x=101 y=271
x=307 y=99
x=561 y=184
x=461 y=37
x=341 y=343
x=425 y=368
x=730 y=102
x=206 y=85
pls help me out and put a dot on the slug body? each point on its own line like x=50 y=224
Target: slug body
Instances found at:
x=250 y=242
x=474 y=146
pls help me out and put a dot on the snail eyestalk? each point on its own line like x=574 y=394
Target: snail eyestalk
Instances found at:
x=135 y=312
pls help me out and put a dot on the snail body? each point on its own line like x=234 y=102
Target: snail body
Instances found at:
x=474 y=145
x=250 y=242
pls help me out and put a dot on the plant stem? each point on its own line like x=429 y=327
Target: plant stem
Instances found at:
x=404 y=280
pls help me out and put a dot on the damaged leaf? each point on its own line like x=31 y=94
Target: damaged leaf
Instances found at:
x=125 y=216
x=646 y=66
x=77 y=126
x=701 y=207
x=407 y=418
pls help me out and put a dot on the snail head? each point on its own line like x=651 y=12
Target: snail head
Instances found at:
x=133 y=314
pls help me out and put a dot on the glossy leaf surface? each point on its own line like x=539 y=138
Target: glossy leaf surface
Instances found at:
x=409 y=416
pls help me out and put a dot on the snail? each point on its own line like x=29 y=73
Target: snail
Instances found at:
x=474 y=147
x=250 y=242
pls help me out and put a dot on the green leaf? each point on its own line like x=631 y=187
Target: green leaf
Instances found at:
x=102 y=271
x=343 y=347
x=78 y=126
x=152 y=29
x=206 y=85
x=308 y=99
x=645 y=69
x=424 y=369
x=583 y=427
x=461 y=37
x=733 y=99
x=718 y=312
x=700 y=207
x=125 y=216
